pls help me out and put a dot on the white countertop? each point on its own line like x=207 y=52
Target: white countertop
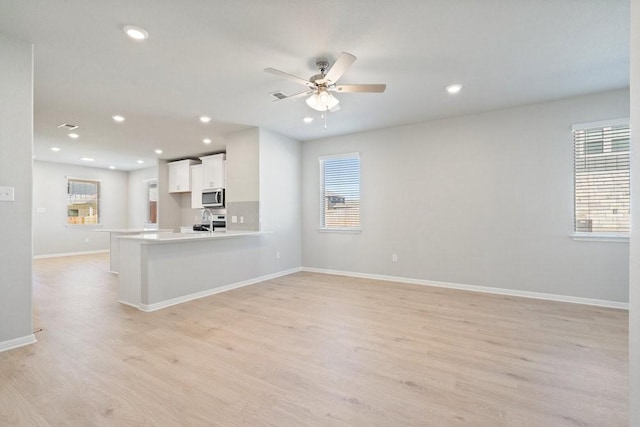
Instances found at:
x=134 y=230
x=190 y=237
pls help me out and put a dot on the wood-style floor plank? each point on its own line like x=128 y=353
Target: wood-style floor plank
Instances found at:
x=311 y=349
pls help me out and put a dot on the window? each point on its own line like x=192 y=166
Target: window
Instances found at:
x=340 y=192
x=601 y=177
x=83 y=197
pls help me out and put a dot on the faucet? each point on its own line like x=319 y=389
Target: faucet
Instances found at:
x=207 y=215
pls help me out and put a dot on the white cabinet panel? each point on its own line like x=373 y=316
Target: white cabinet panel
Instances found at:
x=196 y=186
x=180 y=176
x=213 y=171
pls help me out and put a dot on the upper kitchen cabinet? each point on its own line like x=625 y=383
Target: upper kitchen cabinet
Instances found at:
x=213 y=171
x=180 y=176
x=196 y=187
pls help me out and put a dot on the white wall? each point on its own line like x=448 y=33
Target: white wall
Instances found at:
x=484 y=199
x=137 y=210
x=16 y=151
x=243 y=180
x=243 y=166
x=634 y=264
x=280 y=200
x=51 y=234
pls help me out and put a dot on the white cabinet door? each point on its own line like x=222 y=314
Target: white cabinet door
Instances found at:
x=180 y=176
x=196 y=186
x=213 y=171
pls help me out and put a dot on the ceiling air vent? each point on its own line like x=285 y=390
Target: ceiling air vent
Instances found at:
x=278 y=95
x=67 y=126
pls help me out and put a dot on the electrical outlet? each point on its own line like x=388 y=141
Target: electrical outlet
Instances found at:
x=234 y=219
x=394 y=257
x=86 y=240
x=278 y=254
x=7 y=194
x=241 y=220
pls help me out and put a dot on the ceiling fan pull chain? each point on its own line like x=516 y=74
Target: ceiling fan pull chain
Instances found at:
x=325 y=114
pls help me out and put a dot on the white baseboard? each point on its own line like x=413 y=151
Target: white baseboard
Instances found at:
x=17 y=342
x=100 y=251
x=209 y=292
x=127 y=303
x=474 y=288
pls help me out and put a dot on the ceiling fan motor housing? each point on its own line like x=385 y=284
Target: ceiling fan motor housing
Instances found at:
x=322 y=65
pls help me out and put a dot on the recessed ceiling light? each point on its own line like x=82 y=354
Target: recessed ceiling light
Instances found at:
x=118 y=118
x=205 y=119
x=206 y=141
x=112 y=167
x=453 y=89
x=307 y=119
x=140 y=162
x=135 y=33
x=87 y=159
x=158 y=151
x=74 y=135
x=55 y=148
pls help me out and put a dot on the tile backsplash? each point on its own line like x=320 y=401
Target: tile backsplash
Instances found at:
x=247 y=212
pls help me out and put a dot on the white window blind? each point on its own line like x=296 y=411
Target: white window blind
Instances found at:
x=340 y=192
x=601 y=178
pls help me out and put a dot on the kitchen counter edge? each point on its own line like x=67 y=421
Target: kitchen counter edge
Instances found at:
x=159 y=238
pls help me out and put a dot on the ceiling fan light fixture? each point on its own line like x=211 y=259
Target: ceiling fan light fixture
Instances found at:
x=322 y=101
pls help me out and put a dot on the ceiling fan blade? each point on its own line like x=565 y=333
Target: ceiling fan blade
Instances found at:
x=289 y=77
x=360 y=88
x=336 y=108
x=297 y=95
x=339 y=67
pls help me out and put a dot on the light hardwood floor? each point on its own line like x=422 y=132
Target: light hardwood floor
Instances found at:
x=311 y=349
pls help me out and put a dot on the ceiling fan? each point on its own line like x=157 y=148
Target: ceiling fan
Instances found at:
x=320 y=86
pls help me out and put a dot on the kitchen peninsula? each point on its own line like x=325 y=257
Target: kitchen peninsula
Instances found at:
x=114 y=247
x=163 y=269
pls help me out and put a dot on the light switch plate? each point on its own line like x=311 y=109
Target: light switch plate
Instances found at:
x=7 y=194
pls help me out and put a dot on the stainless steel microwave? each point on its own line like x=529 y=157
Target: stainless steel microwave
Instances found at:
x=213 y=198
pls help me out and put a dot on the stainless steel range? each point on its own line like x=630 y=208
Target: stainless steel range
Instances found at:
x=209 y=219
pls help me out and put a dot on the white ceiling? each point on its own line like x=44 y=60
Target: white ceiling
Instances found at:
x=208 y=56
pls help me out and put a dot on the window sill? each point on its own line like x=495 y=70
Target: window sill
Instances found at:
x=601 y=237
x=340 y=230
